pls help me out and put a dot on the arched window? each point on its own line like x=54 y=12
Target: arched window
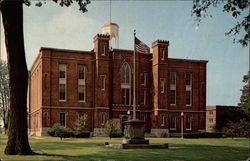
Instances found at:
x=126 y=83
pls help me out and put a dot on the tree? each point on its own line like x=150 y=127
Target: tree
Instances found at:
x=244 y=99
x=233 y=7
x=4 y=93
x=12 y=17
x=81 y=124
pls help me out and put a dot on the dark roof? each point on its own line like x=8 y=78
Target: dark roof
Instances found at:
x=66 y=50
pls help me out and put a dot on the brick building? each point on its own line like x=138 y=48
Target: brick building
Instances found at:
x=67 y=83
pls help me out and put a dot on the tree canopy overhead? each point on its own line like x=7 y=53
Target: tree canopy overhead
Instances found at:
x=235 y=8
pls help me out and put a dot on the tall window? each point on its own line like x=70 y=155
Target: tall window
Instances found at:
x=143 y=78
x=143 y=97
x=62 y=82
x=162 y=51
x=188 y=89
x=102 y=82
x=102 y=118
x=103 y=49
x=172 y=120
x=162 y=85
x=172 y=80
x=62 y=119
x=162 y=120
x=188 y=122
x=81 y=82
x=126 y=83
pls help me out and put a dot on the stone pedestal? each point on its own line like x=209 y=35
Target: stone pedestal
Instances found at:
x=134 y=132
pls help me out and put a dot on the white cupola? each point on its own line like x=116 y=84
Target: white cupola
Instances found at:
x=113 y=30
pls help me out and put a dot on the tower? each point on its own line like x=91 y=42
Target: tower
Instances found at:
x=113 y=30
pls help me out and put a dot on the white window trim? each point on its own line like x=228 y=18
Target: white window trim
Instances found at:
x=102 y=118
x=162 y=120
x=104 y=49
x=62 y=81
x=174 y=97
x=103 y=83
x=162 y=84
x=162 y=54
x=81 y=82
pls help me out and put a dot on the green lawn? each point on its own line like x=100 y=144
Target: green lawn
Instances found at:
x=51 y=148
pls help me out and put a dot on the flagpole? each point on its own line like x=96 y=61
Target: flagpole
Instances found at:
x=134 y=115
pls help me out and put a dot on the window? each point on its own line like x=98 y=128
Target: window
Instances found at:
x=62 y=82
x=188 y=89
x=62 y=119
x=172 y=97
x=81 y=92
x=103 y=49
x=81 y=72
x=172 y=120
x=162 y=85
x=162 y=54
x=81 y=82
x=143 y=97
x=172 y=82
x=62 y=70
x=211 y=120
x=102 y=118
x=162 y=120
x=173 y=78
x=188 y=78
x=126 y=83
x=102 y=82
x=143 y=117
x=210 y=112
x=188 y=98
x=62 y=92
x=143 y=78
x=188 y=122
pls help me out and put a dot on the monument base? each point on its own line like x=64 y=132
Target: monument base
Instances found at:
x=135 y=132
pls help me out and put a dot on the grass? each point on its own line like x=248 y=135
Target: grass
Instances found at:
x=50 y=148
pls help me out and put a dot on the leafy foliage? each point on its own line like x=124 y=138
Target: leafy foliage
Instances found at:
x=60 y=131
x=239 y=129
x=112 y=128
x=244 y=99
x=229 y=115
x=4 y=92
x=81 y=124
x=233 y=7
x=81 y=3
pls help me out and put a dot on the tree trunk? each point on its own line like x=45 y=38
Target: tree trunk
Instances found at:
x=12 y=15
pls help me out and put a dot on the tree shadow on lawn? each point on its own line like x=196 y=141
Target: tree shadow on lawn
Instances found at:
x=190 y=152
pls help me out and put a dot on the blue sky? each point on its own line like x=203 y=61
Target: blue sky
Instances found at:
x=68 y=28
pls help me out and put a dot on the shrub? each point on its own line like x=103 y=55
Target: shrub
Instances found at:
x=81 y=130
x=81 y=135
x=112 y=128
x=237 y=129
x=203 y=135
x=60 y=131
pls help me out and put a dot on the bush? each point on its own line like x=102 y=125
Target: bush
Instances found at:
x=203 y=135
x=60 y=131
x=81 y=130
x=112 y=128
x=237 y=129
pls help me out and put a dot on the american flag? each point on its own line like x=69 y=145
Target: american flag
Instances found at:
x=141 y=47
